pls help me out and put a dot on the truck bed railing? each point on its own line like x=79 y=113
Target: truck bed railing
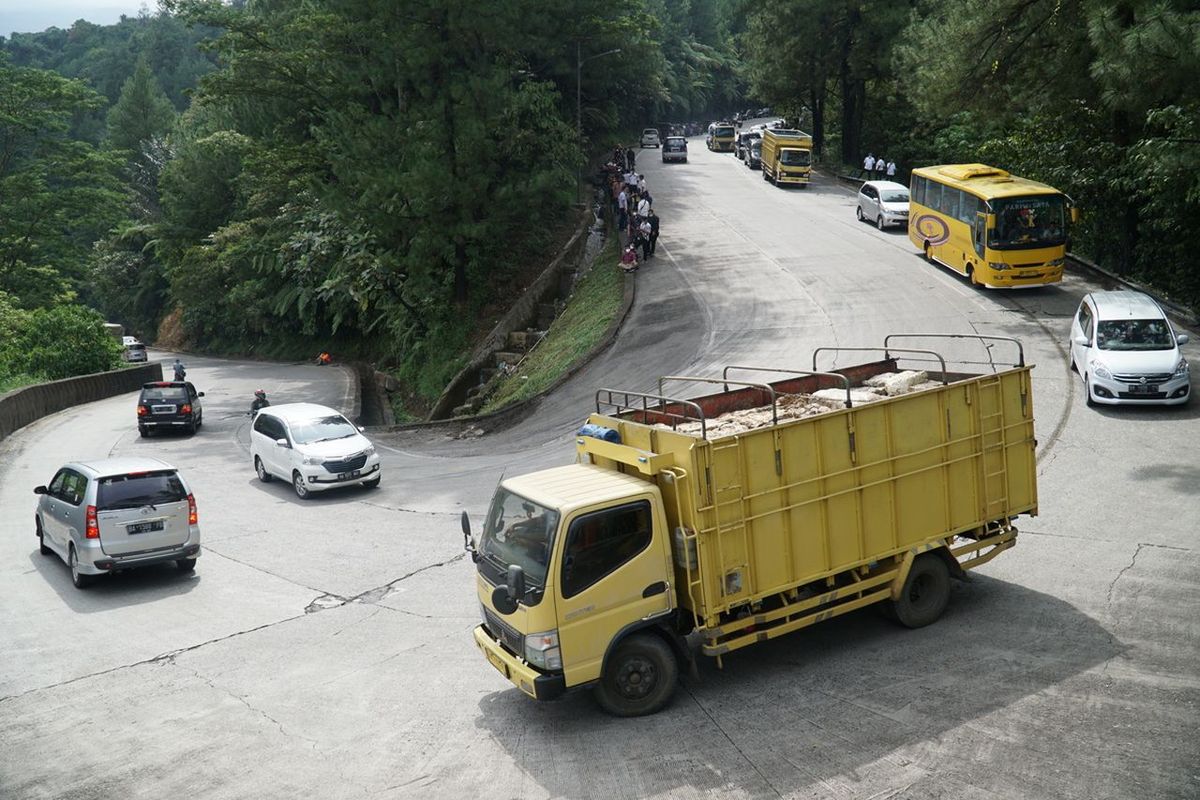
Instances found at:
x=887 y=352
x=835 y=375
x=887 y=340
x=607 y=398
x=766 y=388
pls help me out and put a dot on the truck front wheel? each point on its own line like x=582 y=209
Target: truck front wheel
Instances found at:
x=639 y=678
x=926 y=592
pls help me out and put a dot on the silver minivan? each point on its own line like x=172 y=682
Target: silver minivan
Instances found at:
x=884 y=203
x=313 y=447
x=117 y=513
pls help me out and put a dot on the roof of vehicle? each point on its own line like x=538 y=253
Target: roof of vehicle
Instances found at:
x=107 y=467
x=786 y=133
x=887 y=185
x=1124 y=304
x=985 y=181
x=678 y=139
x=298 y=411
x=167 y=385
x=649 y=130
x=575 y=485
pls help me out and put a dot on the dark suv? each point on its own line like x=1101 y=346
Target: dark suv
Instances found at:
x=169 y=404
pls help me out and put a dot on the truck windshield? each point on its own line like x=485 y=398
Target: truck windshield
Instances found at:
x=795 y=158
x=723 y=132
x=1023 y=222
x=519 y=531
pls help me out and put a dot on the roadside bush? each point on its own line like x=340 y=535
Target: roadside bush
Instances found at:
x=60 y=342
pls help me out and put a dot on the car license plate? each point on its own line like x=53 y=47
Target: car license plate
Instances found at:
x=163 y=409
x=497 y=662
x=144 y=527
x=342 y=476
x=1147 y=388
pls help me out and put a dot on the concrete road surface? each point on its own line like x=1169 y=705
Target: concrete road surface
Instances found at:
x=322 y=649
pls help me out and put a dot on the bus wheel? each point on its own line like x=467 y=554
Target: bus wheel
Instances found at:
x=928 y=253
x=971 y=276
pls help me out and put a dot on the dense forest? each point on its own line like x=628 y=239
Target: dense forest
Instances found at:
x=275 y=177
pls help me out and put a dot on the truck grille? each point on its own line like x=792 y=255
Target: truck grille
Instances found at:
x=349 y=464
x=505 y=633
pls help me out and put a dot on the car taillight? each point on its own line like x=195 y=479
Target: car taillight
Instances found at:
x=186 y=408
x=143 y=411
x=91 y=529
x=193 y=519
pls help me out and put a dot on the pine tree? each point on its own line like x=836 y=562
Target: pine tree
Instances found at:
x=140 y=113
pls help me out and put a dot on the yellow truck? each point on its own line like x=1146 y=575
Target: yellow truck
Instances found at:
x=720 y=137
x=699 y=526
x=786 y=157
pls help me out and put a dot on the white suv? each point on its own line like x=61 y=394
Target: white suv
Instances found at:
x=1124 y=348
x=313 y=447
x=650 y=138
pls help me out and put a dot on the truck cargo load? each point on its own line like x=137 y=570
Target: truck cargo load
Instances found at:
x=788 y=497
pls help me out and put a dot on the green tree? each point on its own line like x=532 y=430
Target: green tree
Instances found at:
x=141 y=113
x=63 y=341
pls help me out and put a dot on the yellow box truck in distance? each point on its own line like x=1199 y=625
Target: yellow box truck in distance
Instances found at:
x=786 y=157
x=699 y=526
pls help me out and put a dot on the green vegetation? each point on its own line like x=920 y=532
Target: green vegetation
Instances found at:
x=593 y=306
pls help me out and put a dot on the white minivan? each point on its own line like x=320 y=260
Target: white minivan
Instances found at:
x=313 y=447
x=884 y=203
x=1124 y=348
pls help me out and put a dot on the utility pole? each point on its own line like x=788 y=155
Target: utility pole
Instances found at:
x=579 y=62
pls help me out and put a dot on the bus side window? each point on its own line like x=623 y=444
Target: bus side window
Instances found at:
x=918 y=189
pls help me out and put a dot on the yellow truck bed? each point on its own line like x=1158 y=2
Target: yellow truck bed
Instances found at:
x=765 y=513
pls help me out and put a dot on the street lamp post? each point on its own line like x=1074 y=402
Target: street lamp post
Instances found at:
x=579 y=62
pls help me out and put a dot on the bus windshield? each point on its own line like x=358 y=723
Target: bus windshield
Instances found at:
x=1025 y=222
x=795 y=158
x=521 y=532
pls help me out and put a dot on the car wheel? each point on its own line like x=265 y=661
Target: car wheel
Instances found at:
x=373 y=483
x=199 y=420
x=298 y=484
x=80 y=580
x=42 y=539
x=858 y=213
x=926 y=592
x=143 y=431
x=1087 y=391
x=263 y=475
x=639 y=678
x=879 y=222
x=186 y=564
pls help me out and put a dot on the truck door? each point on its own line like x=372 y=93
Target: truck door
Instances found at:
x=613 y=572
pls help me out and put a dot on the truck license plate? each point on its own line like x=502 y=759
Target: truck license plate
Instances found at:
x=497 y=662
x=144 y=527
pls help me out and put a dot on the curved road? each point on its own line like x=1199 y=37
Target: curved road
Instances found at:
x=322 y=648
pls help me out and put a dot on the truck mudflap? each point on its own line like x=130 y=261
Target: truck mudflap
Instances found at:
x=533 y=683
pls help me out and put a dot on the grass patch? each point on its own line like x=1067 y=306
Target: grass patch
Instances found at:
x=10 y=382
x=593 y=306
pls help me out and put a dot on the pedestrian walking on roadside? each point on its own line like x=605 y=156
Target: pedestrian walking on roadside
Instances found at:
x=622 y=210
x=653 y=219
x=643 y=206
x=869 y=164
x=880 y=164
x=629 y=159
x=643 y=238
x=641 y=183
x=891 y=169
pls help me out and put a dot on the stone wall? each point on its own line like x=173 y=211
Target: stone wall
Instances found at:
x=20 y=407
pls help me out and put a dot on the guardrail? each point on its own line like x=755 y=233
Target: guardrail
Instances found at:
x=22 y=406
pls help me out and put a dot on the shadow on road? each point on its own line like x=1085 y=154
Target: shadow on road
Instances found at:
x=817 y=704
x=115 y=590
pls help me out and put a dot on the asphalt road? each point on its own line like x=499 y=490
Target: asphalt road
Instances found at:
x=322 y=649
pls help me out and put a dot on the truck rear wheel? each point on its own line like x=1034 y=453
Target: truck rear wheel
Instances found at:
x=926 y=592
x=639 y=678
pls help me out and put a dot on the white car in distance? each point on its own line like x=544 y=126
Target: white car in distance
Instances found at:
x=312 y=447
x=650 y=138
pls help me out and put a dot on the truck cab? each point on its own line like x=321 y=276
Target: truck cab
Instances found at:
x=572 y=561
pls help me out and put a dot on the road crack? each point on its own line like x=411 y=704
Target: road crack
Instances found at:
x=1124 y=569
x=212 y=684
x=732 y=743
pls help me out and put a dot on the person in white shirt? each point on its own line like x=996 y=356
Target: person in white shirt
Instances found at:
x=869 y=163
x=641 y=183
x=879 y=165
x=891 y=169
x=643 y=208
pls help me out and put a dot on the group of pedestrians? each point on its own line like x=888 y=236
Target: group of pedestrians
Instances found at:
x=878 y=167
x=637 y=222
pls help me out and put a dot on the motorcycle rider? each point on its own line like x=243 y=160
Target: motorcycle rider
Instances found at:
x=260 y=401
x=180 y=372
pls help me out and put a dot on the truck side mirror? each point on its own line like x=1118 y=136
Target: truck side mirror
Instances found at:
x=1074 y=214
x=505 y=598
x=468 y=543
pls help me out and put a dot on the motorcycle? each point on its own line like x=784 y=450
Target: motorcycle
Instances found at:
x=260 y=402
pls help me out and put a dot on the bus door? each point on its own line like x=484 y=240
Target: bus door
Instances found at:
x=979 y=231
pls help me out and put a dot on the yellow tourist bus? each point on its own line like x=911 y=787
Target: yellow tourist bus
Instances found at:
x=997 y=229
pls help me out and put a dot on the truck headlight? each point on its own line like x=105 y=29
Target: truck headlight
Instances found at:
x=999 y=265
x=541 y=650
x=1181 y=369
x=1101 y=371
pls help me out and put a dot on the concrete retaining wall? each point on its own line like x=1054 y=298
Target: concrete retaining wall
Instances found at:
x=20 y=407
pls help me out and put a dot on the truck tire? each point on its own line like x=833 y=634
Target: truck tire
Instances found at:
x=639 y=678
x=926 y=592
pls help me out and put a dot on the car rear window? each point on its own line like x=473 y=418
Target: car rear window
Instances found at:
x=136 y=346
x=140 y=489
x=172 y=394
